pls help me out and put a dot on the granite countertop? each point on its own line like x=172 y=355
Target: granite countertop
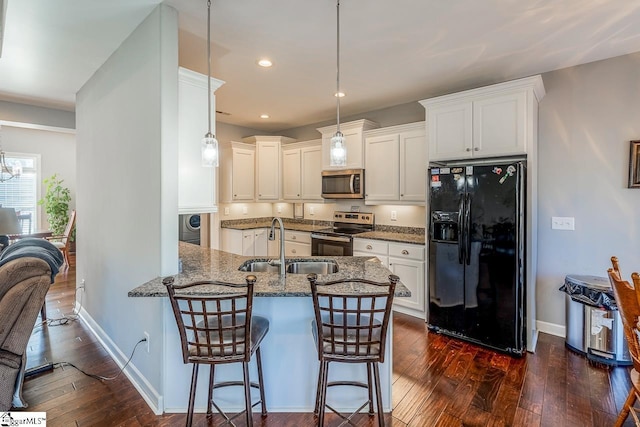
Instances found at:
x=200 y=263
x=390 y=236
x=388 y=233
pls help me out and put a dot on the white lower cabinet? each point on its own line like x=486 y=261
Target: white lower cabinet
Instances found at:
x=245 y=242
x=297 y=243
x=405 y=261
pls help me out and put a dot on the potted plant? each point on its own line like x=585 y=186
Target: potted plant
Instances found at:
x=56 y=204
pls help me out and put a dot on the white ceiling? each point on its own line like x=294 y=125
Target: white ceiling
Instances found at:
x=392 y=52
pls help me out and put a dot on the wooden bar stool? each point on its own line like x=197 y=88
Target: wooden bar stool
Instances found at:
x=627 y=301
x=217 y=329
x=353 y=315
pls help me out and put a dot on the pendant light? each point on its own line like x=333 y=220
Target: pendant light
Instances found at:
x=209 y=145
x=338 y=152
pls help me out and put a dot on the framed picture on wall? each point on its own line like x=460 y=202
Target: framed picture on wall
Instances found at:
x=634 y=165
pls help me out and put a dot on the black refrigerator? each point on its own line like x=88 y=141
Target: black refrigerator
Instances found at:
x=476 y=252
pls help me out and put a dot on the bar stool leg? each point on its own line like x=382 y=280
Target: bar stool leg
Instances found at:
x=192 y=394
x=210 y=396
x=323 y=393
x=263 y=403
x=247 y=394
x=370 y=388
x=376 y=376
x=318 y=389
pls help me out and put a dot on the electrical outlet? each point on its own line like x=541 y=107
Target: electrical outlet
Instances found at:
x=245 y=210
x=394 y=215
x=312 y=210
x=146 y=335
x=563 y=223
x=279 y=209
x=226 y=211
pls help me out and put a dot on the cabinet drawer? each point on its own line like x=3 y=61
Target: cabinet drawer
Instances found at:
x=406 y=251
x=296 y=249
x=297 y=236
x=370 y=246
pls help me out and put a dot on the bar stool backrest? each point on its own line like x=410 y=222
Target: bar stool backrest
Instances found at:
x=353 y=315
x=213 y=328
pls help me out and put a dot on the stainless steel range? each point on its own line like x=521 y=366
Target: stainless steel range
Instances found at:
x=338 y=240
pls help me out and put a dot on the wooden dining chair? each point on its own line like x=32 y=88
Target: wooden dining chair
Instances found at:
x=627 y=301
x=62 y=241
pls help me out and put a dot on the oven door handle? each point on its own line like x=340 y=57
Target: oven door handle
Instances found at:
x=331 y=238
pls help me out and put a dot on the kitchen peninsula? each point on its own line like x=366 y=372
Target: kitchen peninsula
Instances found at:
x=288 y=352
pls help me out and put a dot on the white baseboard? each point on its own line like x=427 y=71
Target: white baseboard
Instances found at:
x=146 y=390
x=551 y=328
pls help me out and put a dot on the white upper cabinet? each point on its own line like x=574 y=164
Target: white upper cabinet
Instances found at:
x=237 y=172
x=196 y=184
x=268 y=165
x=354 y=142
x=301 y=171
x=396 y=164
x=491 y=121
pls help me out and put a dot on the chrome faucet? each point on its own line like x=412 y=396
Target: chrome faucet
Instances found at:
x=272 y=236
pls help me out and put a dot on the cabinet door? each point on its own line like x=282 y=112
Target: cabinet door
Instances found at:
x=450 y=131
x=311 y=173
x=260 y=242
x=382 y=163
x=243 y=174
x=413 y=165
x=499 y=125
x=411 y=274
x=268 y=170
x=196 y=184
x=291 y=174
x=248 y=242
x=231 y=240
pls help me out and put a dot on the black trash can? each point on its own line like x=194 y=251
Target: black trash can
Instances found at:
x=594 y=326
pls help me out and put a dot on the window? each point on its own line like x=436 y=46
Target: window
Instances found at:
x=21 y=193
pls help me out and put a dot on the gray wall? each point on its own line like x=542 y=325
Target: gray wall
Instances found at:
x=587 y=118
x=127 y=195
x=23 y=113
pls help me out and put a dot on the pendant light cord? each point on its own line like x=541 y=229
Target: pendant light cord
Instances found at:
x=209 y=62
x=338 y=67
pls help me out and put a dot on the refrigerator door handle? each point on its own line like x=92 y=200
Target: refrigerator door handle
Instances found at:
x=461 y=230
x=467 y=228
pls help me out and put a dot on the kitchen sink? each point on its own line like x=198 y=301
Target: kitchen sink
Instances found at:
x=293 y=267
x=307 y=267
x=260 y=267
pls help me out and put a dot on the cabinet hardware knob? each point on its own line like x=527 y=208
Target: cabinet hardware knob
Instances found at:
x=402 y=195
x=293 y=251
x=293 y=237
x=476 y=149
x=405 y=252
x=468 y=149
x=235 y=195
x=369 y=247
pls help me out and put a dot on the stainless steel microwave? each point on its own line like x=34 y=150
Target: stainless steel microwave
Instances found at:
x=343 y=184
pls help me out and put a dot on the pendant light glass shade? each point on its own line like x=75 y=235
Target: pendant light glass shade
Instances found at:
x=338 y=150
x=209 y=144
x=209 y=151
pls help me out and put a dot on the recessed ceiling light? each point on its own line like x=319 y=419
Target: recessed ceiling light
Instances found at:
x=339 y=94
x=266 y=63
x=264 y=116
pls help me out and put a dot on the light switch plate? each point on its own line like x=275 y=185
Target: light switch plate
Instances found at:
x=394 y=215
x=563 y=223
x=245 y=210
x=226 y=211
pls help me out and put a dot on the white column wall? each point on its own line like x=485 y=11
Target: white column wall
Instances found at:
x=127 y=193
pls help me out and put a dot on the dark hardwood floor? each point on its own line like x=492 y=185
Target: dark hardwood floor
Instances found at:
x=437 y=381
